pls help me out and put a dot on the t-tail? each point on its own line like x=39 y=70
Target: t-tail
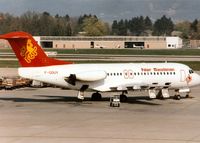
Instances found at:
x=28 y=52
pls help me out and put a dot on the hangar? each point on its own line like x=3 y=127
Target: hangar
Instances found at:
x=109 y=42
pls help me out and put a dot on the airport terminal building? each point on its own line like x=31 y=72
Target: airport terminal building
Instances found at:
x=109 y=42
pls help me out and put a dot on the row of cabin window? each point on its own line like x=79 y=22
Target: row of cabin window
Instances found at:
x=148 y=73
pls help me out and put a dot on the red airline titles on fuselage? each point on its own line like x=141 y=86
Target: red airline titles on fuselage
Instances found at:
x=129 y=74
x=157 y=69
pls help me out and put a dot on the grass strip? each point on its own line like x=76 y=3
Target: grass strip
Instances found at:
x=189 y=52
x=14 y=64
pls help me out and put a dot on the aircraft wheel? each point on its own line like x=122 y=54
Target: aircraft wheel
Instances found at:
x=177 y=97
x=123 y=98
x=187 y=96
x=96 y=97
x=160 y=97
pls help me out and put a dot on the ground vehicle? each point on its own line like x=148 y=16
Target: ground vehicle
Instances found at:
x=1 y=83
x=115 y=101
x=9 y=83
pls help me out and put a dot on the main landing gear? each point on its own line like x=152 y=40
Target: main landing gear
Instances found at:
x=96 y=96
x=177 y=97
x=80 y=95
x=123 y=97
x=187 y=95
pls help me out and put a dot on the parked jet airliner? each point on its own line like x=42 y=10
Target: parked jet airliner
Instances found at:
x=156 y=78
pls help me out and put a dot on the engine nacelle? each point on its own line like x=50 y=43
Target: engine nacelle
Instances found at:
x=90 y=76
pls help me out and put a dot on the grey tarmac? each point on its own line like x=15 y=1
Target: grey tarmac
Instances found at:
x=53 y=115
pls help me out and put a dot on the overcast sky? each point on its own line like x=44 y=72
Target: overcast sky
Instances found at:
x=107 y=9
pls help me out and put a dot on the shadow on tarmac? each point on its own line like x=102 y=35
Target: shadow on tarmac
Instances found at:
x=55 y=99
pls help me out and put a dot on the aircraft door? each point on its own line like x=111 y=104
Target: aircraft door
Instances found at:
x=182 y=75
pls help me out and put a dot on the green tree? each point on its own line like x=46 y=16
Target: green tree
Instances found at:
x=8 y=23
x=137 y=26
x=122 y=29
x=81 y=19
x=29 y=22
x=115 y=28
x=194 y=29
x=163 y=26
x=184 y=28
x=46 y=24
x=148 y=23
x=62 y=26
x=94 y=27
x=193 y=26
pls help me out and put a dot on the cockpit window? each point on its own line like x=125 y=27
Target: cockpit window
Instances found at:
x=191 y=71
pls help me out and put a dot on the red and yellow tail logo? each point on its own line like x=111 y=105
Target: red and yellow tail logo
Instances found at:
x=29 y=51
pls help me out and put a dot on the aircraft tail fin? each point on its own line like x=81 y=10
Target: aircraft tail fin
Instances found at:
x=28 y=52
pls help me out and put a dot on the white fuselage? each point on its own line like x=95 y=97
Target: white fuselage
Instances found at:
x=118 y=76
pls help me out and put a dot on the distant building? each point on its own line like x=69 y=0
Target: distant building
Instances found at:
x=109 y=42
x=174 y=42
x=195 y=44
x=106 y=42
